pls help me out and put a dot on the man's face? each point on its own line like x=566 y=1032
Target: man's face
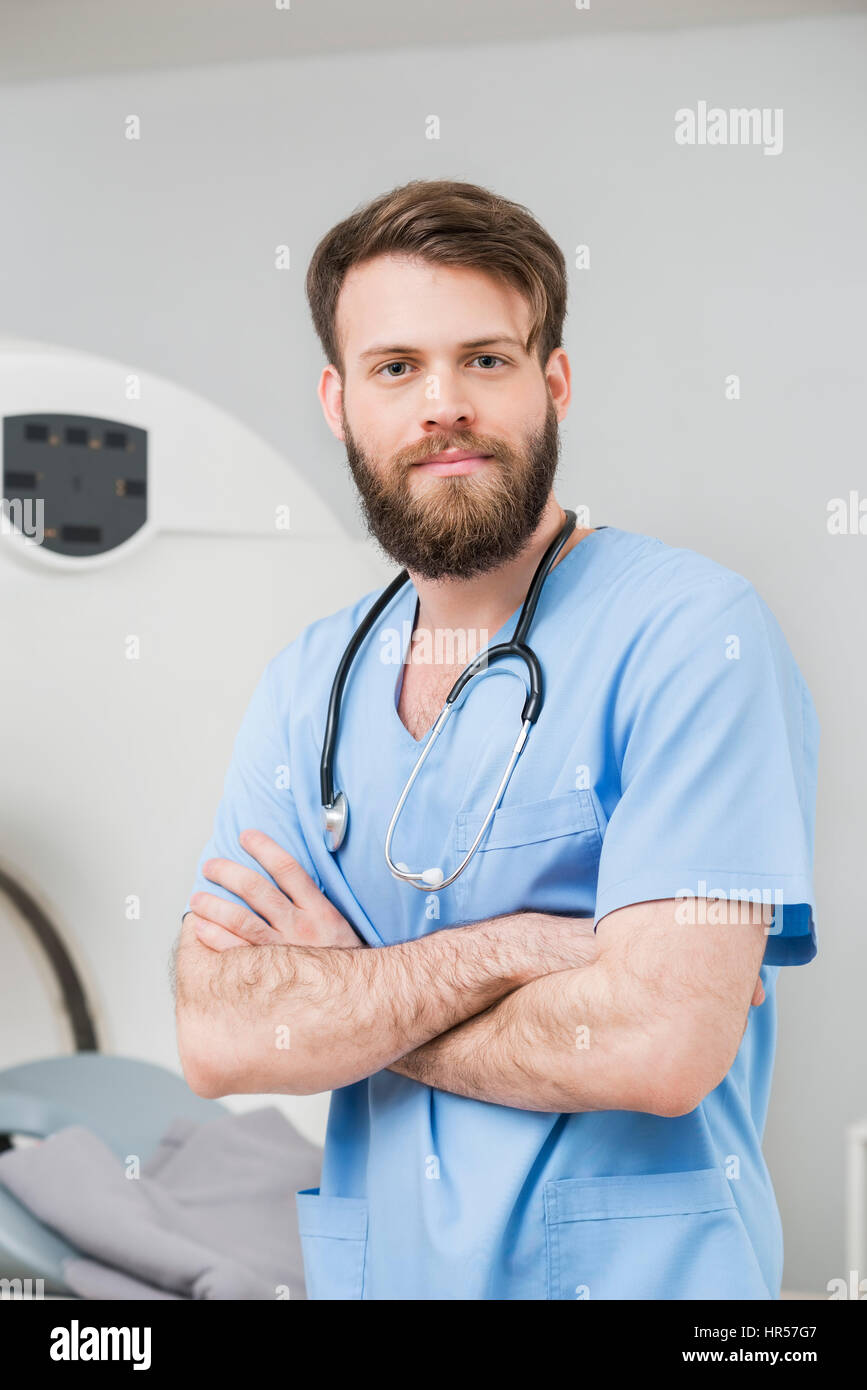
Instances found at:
x=412 y=389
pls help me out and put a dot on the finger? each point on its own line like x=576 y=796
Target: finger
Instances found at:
x=261 y=895
x=233 y=917
x=294 y=881
x=217 y=938
x=758 y=993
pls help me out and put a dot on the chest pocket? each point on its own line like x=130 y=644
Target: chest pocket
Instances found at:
x=539 y=855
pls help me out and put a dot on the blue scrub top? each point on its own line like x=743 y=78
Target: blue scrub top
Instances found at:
x=676 y=752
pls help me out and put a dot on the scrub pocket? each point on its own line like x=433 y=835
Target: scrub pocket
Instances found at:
x=333 y=1234
x=649 y=1236
x=546 y=852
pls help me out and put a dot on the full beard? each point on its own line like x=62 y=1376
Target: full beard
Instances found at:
x=462 y=525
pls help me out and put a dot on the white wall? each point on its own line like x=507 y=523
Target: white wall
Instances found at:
x=704 y=262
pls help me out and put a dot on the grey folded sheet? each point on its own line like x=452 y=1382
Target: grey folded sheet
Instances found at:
x=212 y=1215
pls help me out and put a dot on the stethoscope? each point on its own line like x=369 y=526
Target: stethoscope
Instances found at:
x=335 y=807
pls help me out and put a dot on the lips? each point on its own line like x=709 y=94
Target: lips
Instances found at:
x=454 y=456
x=454 y=461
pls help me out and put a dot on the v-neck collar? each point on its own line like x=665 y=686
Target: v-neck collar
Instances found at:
x=408 y=595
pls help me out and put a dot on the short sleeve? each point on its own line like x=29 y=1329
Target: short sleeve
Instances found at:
x=257 y=790
x=719 y=741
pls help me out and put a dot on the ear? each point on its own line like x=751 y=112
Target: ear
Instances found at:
x=330 y=392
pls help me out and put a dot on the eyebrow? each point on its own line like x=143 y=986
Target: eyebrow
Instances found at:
x=398 y=350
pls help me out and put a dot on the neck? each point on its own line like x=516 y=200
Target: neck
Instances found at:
x=489 y=600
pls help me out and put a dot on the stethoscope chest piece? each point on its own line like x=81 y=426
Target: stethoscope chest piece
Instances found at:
x=335 y=819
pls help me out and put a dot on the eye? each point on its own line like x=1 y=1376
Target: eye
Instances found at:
x=386 y=368
x=388 y=365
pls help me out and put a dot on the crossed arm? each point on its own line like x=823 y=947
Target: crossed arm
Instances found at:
x=653 y=1024
x=531 y=1011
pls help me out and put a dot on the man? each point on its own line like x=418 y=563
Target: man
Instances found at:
x=551 y=1076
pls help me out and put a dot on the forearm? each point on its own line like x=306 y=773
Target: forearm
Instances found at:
x=561 y=1043
x=299 y=1019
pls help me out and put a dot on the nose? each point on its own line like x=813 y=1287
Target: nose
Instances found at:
x=450 y=410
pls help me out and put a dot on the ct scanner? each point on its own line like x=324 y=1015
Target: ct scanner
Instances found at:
x=173 y=554
x=180 y=553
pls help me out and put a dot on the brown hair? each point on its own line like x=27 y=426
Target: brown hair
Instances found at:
x=447 y=223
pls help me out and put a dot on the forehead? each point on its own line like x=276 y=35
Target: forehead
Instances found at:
x=403 y=300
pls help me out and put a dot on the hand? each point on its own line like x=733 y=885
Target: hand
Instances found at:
x=758 y=994
x=293 y=914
